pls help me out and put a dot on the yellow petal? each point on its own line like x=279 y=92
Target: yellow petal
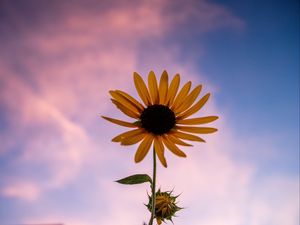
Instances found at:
x=172 y=147
x=153 y=88
x=164 y=211
x=158 y=204
x=159 y=200
x=123 y=101
x=198 y=130
x=163 y=88
x=132 y=100
x=189 y=100
x=128 y=134
x=182 y=95
x=160 y=150
x=141 y=89
x=173 y=88
x=125 y=110
x=119 y=122
x=195 y=108
x=131 y=140
x=143 y=148
x=158 y=220
x=200 y=120
x=177 y=141
x=189 y=137
x=163 y=206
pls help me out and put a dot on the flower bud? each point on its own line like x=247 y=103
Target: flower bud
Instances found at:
x=165 y=206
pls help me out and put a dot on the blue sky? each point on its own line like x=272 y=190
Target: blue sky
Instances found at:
x=58 y=62
x=258 y=71
x=264 y=78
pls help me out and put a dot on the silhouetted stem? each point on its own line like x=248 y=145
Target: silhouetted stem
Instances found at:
x=153 y=189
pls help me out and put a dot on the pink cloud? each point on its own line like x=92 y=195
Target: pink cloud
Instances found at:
x=53 y=110
x=21 y=190
x=49 y=139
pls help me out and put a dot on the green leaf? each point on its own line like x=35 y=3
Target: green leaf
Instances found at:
x=135 y=179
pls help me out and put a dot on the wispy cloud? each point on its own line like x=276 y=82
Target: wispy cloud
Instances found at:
x=21 y=190
x=55 y=74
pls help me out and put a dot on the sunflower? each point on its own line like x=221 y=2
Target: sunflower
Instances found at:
x=162 y=118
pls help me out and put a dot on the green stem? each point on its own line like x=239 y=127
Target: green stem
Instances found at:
x=153 y=189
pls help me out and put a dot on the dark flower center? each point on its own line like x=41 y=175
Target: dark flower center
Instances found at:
x=158 y=119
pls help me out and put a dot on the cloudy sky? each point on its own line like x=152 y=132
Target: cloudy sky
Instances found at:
x=58 y=61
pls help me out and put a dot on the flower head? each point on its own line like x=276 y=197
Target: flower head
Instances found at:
x=162 y=118
x=165 y=206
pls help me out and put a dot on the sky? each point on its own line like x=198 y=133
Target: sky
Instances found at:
x=58 y=61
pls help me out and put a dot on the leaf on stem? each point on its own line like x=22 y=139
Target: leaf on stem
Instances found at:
x=135 y=179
